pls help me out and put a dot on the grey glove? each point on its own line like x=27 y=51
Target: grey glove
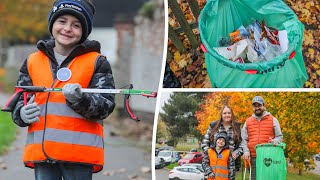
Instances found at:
x=211 y=175
x=72 y=92
x=30 y=113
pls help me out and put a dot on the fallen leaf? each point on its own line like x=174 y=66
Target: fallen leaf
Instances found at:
x=145 y=169
x=133 y=176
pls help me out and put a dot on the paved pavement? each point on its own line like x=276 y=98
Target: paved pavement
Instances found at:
x=123 y=160
x=161 y=174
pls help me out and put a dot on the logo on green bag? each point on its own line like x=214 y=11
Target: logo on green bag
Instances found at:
x=267 y=161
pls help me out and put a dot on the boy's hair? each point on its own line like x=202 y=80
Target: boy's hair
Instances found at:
x=81 y=9
x=224 y=136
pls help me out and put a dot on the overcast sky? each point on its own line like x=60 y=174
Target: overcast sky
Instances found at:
x=164 y=98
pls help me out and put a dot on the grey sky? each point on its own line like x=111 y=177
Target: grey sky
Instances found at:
x=164 y=98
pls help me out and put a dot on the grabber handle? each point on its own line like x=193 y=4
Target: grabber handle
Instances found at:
x=245 y=162
x=153 y=95
x=127 y=106
x=245 y=168
x=249 y=163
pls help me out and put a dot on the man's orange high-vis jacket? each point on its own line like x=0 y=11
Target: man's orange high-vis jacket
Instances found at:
x=62 y=134
x=259 y=132
x=219 y=163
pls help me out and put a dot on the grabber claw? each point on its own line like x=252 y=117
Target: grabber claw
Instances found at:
x=245 y=161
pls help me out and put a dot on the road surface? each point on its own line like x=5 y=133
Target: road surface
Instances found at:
x=161 y=174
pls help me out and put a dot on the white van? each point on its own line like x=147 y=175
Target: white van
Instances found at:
x=168 y=156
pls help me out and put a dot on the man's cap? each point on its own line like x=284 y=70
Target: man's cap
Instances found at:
x=83 y=10
x=258 y=99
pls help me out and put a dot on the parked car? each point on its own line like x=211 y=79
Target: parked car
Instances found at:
x=197 y=165
x=156 y=151
x=159 y=162
x=194 y=150
x=177 y=156
x=185 y=172
x=191 y=157
x=182 y=154
x=317 y=157
x=168 y=156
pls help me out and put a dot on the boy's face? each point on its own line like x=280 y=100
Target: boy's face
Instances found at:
x=221 y=142
x=67 y=31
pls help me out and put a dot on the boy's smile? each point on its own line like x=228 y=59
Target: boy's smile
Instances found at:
x=67 y=31
x=221 y=142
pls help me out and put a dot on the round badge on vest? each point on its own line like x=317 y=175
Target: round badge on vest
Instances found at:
x=220 y=156
x=64 y=74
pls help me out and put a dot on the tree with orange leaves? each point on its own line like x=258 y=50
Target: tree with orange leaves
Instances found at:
x=23 y=20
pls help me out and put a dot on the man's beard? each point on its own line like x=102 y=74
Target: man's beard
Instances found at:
x=258 y=113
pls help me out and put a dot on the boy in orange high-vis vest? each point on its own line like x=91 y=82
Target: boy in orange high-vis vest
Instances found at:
x=219 y=160
x=65 y=138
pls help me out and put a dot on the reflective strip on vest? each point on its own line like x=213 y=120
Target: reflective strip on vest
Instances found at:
x=219 y=167
x=221 y=175
x=59 y=109
x=63 y=136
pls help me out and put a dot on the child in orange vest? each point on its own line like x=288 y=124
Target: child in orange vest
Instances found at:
x=65 y=132
x=217 y=162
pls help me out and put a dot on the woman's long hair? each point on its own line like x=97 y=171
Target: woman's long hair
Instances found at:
x=236 y=132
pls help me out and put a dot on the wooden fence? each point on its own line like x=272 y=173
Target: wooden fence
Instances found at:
x=185 y=27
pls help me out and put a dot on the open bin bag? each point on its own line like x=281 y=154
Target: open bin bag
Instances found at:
x=218 y=18
x=270 y=162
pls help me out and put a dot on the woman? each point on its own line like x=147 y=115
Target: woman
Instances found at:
x=226 y=123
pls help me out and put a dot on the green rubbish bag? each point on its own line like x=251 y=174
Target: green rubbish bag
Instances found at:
x=270 y=162
x=218 y=18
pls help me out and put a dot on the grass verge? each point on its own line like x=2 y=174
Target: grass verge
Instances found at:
x=187 y=147
x=7 y=131
x=171 y=166
x=291 y=175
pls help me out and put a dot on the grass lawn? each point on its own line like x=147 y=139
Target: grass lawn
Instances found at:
x=7 y=131
x=187 y=147
x=183 y=147
x=291 y=175
x=171 y=166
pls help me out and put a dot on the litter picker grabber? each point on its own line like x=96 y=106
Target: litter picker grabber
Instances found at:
x=19 y=90
x=245 y=161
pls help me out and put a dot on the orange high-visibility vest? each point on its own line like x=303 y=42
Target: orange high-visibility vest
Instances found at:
x=259 y=132
x=62 y=134
x=219 y=163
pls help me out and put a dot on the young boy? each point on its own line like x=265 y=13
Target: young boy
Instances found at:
x=65 y=132
x=217 y=162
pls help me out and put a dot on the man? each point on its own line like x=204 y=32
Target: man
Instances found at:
x=260 y=128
